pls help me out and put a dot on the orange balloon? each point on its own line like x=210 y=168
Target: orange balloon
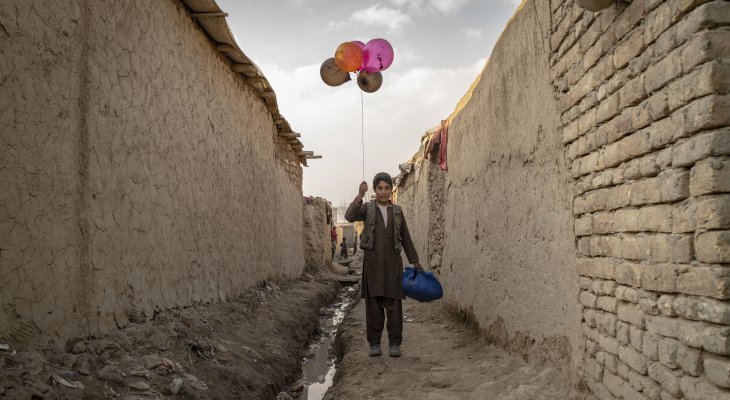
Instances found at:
x=348 y=57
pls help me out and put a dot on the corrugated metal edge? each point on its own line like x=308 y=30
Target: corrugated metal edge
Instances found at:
x=212 y=20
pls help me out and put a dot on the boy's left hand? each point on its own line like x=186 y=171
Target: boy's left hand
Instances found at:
x=418 y=266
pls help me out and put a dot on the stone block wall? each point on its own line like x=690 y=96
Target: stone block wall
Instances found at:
x=644 y=101
x=138 y=172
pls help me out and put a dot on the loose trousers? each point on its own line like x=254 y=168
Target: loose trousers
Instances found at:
x=377 y=309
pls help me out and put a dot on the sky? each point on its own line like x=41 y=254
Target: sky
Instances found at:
x=440 y=47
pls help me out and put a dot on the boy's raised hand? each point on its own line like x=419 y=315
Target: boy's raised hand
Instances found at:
x=363 y=189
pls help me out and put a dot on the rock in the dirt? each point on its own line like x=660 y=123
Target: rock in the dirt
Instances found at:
x=4 y=347
x=141 y=372
x=152 y=361
x=196 y=383
x=67 y=383
x=139 y=385
x=175 y=385
x=65 y=374
x=110 y=373
x=79 y=347
x=283 y=396
x=84 y=369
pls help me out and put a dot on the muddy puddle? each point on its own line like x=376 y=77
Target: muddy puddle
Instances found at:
x=318 y=365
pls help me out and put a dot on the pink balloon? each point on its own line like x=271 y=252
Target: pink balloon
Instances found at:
x=361 y=45
x=377 y=56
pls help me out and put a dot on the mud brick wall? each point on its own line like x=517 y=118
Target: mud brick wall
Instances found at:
x=138 y=172
x=497 y=226
x=645 y=113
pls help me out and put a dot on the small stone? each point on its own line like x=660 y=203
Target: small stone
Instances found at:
x=717 y=370
x=633 y=358
x=650 y=346
x=139 y=385
x=79 y=347
x=110 y=373
x=668 y=378
x=84 y=369
x=626 y=293
x=636 y=336
x=152 y=360
x=665 y=305
x=649 y=306
x=588 y=299
x=702 y=309
x=668 y=352
x=690 y=360
x=622 y=332
x=710 y=337
x=631 y=313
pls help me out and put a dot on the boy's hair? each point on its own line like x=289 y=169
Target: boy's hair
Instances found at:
x=382 y=176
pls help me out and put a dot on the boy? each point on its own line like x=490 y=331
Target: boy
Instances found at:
x=384 y=235
x=343 y=248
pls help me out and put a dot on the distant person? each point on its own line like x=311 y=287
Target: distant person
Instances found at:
x=333 y=237
x=343 y=248
x=384 y=235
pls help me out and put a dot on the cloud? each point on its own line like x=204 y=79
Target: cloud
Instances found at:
x=422 y=6
x=470 y=33
x=407 y=56
x=447 y=6
x=378 y=15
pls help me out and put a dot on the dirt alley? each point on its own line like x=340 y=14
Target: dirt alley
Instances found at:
x=443 y=358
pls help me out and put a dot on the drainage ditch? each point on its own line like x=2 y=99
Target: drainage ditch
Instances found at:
x=318 y=365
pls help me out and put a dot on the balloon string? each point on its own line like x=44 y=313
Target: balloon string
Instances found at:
x=362 y=132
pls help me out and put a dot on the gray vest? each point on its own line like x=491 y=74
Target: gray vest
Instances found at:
x=366 y=237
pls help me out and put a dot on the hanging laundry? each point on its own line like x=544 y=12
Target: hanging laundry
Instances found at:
x=437 y=137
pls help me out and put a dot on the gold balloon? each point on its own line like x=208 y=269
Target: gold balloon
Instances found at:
x=348 y=57
x=369 y=82
x=332 y=75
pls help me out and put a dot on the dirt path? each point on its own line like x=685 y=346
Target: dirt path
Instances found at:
x=442 y=359
x=248 y=348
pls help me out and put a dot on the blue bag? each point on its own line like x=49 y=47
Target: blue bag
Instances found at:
x=421 y=285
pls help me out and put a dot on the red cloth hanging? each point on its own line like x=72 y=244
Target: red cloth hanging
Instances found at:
x=440 y=138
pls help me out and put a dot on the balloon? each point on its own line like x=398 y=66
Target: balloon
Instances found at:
x=369 y=82
x=378 y=55
x=332 y=75
x=361 y=45
x=348 y=57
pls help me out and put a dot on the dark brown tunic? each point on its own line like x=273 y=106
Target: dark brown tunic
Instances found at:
x=382 y=273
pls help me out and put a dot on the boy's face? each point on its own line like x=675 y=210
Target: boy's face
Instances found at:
x=383 y=191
